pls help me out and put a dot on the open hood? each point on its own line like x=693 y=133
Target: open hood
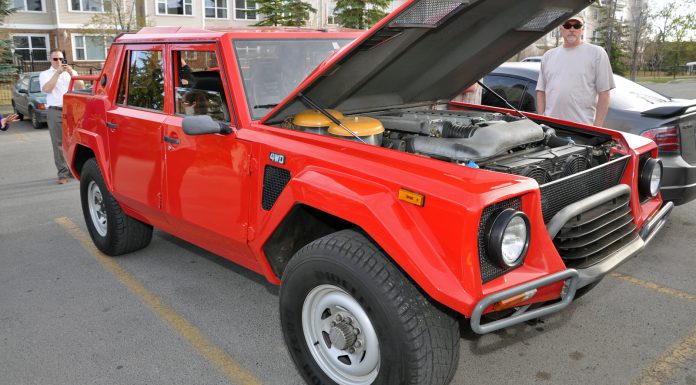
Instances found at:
x=427 y=50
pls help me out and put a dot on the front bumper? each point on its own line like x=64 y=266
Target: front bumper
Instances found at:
x=41 y=115
x=572 y=278
x=679 y=180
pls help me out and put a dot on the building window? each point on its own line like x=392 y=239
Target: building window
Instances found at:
x=175 y=7
x=245 y=10
x=88 y=5
x=88 y=47
x=330 y=17
x=216 y=9
x=31 y=47
x=29 y=5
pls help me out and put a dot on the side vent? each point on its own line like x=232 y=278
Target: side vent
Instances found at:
x=274 y=181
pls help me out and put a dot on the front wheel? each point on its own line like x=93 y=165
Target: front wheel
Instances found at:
x=112 y=231
x=350 y=317
x=34 y=119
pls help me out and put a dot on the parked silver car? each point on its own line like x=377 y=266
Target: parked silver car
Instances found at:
x=28 y=100
x=632 y=108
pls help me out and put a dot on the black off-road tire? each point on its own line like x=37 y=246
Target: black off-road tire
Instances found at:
x=34 y=120
x=418 y=341
x=123 y=234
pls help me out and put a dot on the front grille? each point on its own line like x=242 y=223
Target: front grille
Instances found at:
x=595 y=234
x=489 y=270
x=560 y=193
x=429 y=13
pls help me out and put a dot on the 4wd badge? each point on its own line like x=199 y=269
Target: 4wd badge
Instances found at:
x=277 y=158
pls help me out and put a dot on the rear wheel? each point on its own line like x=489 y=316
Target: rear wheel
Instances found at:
x=350 y=317
x=112 y=231
x=19 y=116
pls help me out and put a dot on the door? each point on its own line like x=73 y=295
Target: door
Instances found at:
x=206 y=178
x=135 y=131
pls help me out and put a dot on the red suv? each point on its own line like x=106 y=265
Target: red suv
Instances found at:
x=386 y=214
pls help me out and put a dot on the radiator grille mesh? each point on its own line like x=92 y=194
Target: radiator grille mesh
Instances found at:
x=562 y=192
x=428 y=13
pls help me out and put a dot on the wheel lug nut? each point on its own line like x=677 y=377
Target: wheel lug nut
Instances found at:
x=357 y=331
x=349 y=320
x=351 y=350
x=339 y=318
x=358 y=344
x=333 y=323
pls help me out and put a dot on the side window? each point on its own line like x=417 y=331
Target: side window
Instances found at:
x=198 y=85
x=511 y=89
x=145 y=80
x=34 y=85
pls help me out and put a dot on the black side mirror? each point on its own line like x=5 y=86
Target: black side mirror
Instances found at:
x=22 y=91
x=202 y=125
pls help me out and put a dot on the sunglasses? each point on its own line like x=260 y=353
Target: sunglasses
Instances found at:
x=57 y=59
x=572 y=25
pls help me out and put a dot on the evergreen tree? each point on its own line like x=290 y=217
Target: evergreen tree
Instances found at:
x=7 y=68
x=361 y=14
x=297 y=13
x=613 y=36
x=272 y=11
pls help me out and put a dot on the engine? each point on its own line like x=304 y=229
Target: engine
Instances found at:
x=492 y=141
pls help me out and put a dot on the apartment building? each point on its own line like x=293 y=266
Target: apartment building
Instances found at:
x=38 y=26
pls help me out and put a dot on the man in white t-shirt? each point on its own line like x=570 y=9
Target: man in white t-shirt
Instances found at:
x=55 y=82
x=575 y=78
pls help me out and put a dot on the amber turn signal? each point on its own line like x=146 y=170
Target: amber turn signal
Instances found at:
x=514 y=300
x=411 y=197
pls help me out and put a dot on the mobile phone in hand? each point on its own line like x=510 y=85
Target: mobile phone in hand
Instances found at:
x=63 y=61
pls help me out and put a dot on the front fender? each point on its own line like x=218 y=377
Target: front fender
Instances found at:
x=393 y=224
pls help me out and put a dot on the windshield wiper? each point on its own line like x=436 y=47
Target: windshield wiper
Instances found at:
x=265 y=105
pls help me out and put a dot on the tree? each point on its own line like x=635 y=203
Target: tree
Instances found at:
x=7 y=68
x=613 y=36
x=284 y=12
x=637 y=32
x=119 y=16
x=361 y=14
x=272 y=11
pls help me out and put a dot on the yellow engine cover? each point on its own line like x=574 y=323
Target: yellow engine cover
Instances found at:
x=360 y=125
x=313 y=118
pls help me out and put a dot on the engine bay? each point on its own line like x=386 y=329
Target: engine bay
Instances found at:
x=487 y=140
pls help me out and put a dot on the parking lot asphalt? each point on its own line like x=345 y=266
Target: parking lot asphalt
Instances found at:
x=176 y=314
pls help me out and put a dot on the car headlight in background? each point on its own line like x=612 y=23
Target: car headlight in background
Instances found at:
x=650 y=179
x=508 y=238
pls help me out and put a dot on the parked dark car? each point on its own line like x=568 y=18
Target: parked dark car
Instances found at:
x=632 y=108
x=28 y=100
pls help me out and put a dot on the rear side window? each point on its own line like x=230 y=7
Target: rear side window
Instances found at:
x=34 y=85
x=142 y=81
x=514 y=90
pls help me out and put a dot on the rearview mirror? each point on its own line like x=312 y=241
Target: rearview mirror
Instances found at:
x=203 y=124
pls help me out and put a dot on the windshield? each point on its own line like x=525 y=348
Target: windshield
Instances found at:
x=34 y=85
x=630 y=95
x=271 y=69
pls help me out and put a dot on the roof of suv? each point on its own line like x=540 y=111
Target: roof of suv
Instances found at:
x=167 y=34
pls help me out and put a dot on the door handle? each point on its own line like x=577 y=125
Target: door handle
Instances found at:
x=171 y=140
x=112 y=126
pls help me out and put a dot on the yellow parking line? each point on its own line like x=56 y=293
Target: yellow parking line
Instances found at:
x=675 y=358
x=654 y=286
x=212 y=353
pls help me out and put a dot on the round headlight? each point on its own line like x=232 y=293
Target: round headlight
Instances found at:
x=508 y=238
x=650 y=177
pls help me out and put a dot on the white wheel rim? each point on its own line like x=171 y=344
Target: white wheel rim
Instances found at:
x=330 y=317
x=97 y=210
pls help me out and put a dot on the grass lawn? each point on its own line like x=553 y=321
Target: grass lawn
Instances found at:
x=662 y=78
